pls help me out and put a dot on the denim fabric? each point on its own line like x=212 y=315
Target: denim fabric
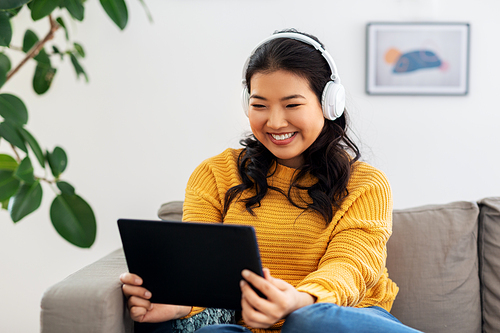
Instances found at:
x=228 y=328
x=327 y=317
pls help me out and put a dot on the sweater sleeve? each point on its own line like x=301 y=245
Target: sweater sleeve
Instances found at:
x=207 y=187
x=202 y=203
x=355 y=257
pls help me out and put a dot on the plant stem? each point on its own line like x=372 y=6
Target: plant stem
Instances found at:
x=37 y=47
x=18 y=158
x=46 y=180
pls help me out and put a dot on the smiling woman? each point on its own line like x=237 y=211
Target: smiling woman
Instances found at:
x=285 y=68
x=322 y=218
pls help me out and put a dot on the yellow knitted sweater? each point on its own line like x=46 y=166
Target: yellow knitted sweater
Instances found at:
x=342 y=263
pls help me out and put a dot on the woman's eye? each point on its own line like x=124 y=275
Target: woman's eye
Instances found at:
x=292 y=105
x=258 y=106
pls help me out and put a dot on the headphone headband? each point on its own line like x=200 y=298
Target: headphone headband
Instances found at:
x=303 y=38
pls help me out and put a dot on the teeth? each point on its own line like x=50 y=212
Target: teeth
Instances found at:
x=282 y=136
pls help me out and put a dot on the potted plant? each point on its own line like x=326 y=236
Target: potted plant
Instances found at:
x=21 y=189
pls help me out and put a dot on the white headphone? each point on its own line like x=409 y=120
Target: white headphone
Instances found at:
x=333 y=98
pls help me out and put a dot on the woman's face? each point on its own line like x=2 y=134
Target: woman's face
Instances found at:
x=285 y=115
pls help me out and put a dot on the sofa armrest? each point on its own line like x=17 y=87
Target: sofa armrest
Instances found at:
x=89 y=300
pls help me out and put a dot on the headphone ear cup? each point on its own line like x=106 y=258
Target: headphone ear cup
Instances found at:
x=245 y=99
x=333 y=100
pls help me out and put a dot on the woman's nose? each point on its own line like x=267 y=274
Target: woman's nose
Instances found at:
x=277 y=119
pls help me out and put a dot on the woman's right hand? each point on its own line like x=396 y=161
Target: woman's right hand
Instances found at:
x=141 y=309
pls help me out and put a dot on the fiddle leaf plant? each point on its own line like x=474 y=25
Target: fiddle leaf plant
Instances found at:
x=21 y=188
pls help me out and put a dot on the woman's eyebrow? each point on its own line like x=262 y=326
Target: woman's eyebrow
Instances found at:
x=258 y=97
x=283 y=99
x=292 y=97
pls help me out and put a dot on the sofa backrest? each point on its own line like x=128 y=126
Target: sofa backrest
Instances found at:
x=432 y=257
x=171 y=211
x=489 y=262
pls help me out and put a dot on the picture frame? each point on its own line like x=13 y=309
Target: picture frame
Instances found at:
x=417 y=58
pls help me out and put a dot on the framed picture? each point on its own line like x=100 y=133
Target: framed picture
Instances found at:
x=417 y=58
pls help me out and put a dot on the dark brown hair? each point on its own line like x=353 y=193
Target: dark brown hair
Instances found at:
x=328 y=158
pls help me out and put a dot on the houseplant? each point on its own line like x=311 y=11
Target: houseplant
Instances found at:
x=21 y=189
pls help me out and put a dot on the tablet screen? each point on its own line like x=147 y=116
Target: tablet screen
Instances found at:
x=195 y=264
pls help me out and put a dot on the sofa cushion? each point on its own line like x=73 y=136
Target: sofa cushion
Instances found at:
x=489 y=259
x=171 y=211
x=432 y=256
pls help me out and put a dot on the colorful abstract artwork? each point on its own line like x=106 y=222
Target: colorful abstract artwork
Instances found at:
x=414 y=60
x=417 y=58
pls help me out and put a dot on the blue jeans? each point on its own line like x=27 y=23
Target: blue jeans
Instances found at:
x=328 y=317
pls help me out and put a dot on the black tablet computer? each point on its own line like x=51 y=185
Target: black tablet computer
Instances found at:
x=195 y=264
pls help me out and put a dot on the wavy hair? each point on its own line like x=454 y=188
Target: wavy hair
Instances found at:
x=329 y=159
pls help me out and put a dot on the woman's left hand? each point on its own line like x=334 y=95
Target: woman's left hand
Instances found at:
x=282 y=299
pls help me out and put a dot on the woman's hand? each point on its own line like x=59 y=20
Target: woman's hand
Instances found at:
x=282 y=299
x=141 y=309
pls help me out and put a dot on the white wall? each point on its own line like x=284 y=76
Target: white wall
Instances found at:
x=164 y=96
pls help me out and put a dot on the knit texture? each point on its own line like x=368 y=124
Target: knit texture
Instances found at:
x=342 y=262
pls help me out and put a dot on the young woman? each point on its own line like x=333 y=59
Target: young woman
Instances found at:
x=322 y=218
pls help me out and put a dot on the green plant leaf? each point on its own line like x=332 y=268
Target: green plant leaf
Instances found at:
x=35 y=147
x=44 y=74
x=75 y=8
x=13 y=12
x=13 y=109
x=8 y=162
x=74 y=220
x=8 y=185
x=29 y=40
x=57 y=51
x=60 y=21
x=5 y=64
x=9 y=131
x=42 y=8
x=27 y=199
x=10 y=4
x=5 y=204
x=58 y=160
x=25 y=171
x=117 y=11
x=5 y=67
x=78 y=68
x=5 y=29
x=43 y=57
x=65 y=188
x=79 y=49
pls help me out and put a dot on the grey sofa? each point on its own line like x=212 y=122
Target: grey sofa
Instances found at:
x=444 y=258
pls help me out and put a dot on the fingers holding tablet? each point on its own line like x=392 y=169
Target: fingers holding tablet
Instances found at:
x=141 y=309
x=132 y=286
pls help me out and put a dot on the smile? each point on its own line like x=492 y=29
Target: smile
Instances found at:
x=281 y=137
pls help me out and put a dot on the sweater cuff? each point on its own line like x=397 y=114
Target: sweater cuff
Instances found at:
x=194 y=311
x=322 y=295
